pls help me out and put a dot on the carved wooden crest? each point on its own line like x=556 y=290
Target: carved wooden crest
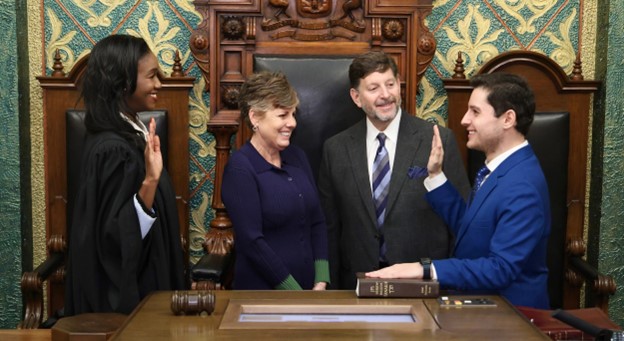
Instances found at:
x=313 y=20
x=314 y=8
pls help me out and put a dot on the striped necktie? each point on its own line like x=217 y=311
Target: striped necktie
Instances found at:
x=381 y=184
x=481 y=174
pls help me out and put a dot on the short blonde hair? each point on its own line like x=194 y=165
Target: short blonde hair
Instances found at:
x=264 y=91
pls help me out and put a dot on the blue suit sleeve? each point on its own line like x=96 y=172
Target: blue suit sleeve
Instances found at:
x=511 y=222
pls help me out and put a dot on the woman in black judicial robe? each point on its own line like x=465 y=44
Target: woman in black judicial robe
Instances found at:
x=124 y=240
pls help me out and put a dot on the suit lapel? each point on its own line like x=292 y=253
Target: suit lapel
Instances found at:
x=408 y=145
x=489 y=185
x=356 y=150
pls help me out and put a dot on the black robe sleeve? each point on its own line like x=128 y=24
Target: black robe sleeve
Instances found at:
x=110 y=267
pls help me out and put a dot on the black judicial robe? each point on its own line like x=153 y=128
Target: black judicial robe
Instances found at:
x=110 y=267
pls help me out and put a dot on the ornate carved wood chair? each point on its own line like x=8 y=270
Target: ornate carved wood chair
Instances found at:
x=313 y=43
x=63 y=133
x=559 y=136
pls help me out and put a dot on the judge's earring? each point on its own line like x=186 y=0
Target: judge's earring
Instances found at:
x=254 y=127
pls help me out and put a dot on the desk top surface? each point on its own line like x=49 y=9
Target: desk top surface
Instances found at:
x=154 y=320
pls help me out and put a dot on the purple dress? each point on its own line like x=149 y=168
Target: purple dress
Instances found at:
x=279 y=227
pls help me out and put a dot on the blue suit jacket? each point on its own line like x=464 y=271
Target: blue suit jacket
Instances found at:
x=501 y=238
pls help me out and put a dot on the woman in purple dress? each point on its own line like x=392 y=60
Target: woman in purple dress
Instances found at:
x=271 y=196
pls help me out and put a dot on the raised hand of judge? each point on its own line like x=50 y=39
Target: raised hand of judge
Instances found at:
x=153 y=166
x=436 y=157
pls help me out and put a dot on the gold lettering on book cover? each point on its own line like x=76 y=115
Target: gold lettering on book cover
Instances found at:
x=382 y=288
x=312 y=20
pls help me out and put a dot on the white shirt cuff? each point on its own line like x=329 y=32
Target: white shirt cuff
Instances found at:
x=435 y=182
x=145 y=221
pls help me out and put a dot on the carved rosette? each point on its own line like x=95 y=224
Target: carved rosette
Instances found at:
x=426 y=44
x=233 y=28
x=199 y=41
x=200 y=44
x=229 y=96
x=393 y=30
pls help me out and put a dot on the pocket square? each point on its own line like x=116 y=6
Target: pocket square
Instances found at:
x=416 y=172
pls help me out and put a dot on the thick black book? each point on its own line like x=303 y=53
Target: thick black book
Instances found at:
x=396 y=287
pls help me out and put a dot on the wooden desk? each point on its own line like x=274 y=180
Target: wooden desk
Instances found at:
x=25 y=335
x=153 y=320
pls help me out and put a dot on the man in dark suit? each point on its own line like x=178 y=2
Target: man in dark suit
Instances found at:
x=371 y=226
x=502 y=231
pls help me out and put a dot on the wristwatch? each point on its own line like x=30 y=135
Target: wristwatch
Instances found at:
x=426 y=264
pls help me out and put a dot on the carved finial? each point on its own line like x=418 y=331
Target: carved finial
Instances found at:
x=459 y=68
x=177 y=66
x=605 y=285
x=573 y=278
x=58 y=65
x=577 y=72
x=56 y=244
x=575 y=247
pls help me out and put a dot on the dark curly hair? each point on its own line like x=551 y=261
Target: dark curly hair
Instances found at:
x=369 y=62
x=109 y=80
x=508 y=91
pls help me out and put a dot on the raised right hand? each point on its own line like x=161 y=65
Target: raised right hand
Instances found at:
x=436 y=157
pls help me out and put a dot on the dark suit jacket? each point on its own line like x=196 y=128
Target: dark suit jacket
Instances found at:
x=411 y=229
x=502 y=236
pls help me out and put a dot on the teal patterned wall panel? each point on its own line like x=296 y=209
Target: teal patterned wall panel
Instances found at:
x=481 y=29
x=611 y=241
x=73 y=27
x=10 y=210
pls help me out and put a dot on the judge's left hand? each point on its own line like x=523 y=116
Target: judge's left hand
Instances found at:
x=403 y=270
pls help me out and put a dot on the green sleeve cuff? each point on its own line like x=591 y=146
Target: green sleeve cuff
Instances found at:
x=289 y=284
x=321 y=268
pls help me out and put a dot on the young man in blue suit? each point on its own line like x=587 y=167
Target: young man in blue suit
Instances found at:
x=502 y=230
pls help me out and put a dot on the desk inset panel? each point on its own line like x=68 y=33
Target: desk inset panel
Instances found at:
x=326 y=314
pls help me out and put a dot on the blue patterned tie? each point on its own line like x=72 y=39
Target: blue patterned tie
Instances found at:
x=481 y=174
x=381 y=182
